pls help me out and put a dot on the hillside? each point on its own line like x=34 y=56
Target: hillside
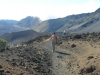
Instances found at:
x=76 y=55
x=77 y=23
x=7 y=26
x=21 y=36
x=71 y=23
x=9 y=21
x=28 y=22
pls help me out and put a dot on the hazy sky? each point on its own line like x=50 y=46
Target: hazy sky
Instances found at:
x=45 y=9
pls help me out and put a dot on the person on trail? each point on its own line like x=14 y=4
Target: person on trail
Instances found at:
x=54 y=40
x=64 y=33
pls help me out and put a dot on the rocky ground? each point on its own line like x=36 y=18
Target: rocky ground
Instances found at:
x=29 y=60
x=74 y=55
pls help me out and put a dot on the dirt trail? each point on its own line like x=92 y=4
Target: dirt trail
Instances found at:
x=62 y=60
x=75 y=57
x=62 y=64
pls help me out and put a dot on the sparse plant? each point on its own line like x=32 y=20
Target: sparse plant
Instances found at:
x=71 y=33
x=3 y=43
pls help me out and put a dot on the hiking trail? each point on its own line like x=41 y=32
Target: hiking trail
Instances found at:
x=62 y=60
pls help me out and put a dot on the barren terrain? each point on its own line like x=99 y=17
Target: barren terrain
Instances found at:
x=74 y=56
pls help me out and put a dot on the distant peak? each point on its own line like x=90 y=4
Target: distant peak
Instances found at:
x=98 y=10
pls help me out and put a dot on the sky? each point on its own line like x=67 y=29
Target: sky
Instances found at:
x=45 y=9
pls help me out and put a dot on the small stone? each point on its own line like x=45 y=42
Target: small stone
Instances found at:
x=0 y=66
x=96 y=57
x=90 y=57
x=78 y=66
x=73 y=45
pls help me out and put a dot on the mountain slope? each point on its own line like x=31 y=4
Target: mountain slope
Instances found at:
x=79 y=23
x=71 y=23
x=18 y=37
x=7 y=26
x=61 y=23
x=91 y=26
x=10 y=21
x=28 y=22
x=7 y=23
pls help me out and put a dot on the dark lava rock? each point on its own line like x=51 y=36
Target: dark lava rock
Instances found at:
x=73 y=45
x=90 y=57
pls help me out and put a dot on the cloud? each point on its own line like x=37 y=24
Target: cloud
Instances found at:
x=69 y=9
x=44 y=11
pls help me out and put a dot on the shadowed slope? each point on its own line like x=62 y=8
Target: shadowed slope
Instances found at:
x=17 y=37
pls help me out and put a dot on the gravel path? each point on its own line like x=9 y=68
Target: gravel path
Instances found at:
x=62 y=60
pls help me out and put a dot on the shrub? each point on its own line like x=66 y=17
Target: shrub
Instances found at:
x=3 y=43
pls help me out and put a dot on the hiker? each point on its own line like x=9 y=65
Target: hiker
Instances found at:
x=64 y=32
x=54 y=40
